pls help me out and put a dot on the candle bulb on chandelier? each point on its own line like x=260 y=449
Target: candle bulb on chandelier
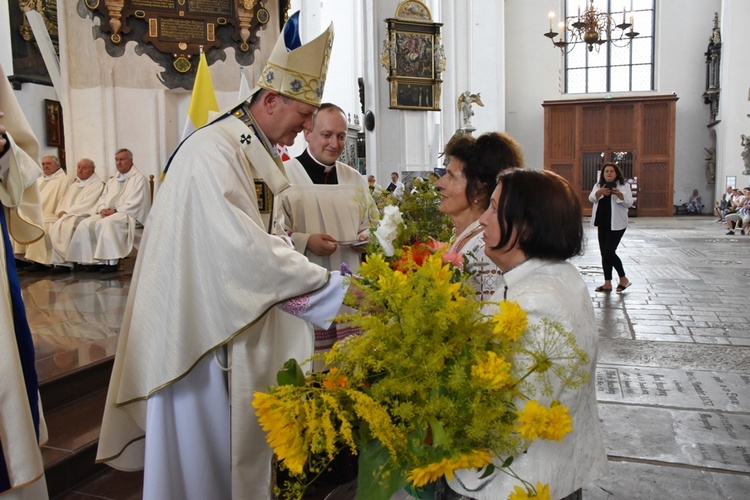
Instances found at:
x=632 y=23
x=623 y=15
x=551 y=17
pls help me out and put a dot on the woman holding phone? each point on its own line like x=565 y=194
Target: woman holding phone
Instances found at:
x=611 y=197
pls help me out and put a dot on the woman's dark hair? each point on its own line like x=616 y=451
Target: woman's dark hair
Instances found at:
x=620 y=178
x=540 y=212
x=483 y=159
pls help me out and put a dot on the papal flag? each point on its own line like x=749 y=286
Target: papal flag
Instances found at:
x=202 y=101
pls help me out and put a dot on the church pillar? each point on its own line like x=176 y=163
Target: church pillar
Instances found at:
x=734 y=101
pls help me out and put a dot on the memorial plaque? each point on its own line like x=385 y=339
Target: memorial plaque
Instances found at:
x=210 y=7
x=674 y=388
x=702 y=438
x=182 y=28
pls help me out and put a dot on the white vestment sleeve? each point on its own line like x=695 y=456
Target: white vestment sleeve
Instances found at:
x=322 y=306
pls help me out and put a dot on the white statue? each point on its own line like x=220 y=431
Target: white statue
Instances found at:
x=465 y=101
x=745 y=153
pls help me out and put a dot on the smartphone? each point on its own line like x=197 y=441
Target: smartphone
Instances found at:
x=610 y=185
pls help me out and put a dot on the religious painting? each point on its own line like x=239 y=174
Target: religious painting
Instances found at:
x=28 y=63
x=414 y=95
x=53 y=121
x=414 y=57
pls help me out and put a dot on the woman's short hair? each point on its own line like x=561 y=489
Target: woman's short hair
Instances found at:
x=620 y=178
x=483 y=159
x=539 y=211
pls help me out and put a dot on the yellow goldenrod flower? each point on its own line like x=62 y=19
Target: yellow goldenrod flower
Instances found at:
x=558 y=423
x=510 y=322
x=521 y=493
x=495 y=370
x=532 y=420
x=430 y=473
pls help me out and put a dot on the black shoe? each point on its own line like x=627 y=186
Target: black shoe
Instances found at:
x=108 y=269
x=22 y=264
x=38 y=268
x=730 y=232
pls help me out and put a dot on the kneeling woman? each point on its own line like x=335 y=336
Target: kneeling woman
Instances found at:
x=533 y=225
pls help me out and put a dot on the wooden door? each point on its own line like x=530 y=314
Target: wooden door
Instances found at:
x=638 y=132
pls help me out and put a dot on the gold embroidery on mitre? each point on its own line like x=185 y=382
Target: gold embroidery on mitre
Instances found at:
x=301 y=73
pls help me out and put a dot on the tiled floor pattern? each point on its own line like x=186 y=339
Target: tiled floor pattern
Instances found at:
x=674 y=363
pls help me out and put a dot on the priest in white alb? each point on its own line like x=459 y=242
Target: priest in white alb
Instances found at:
x=328 y=211
x=52 y=188
x=114 y=229
x=78 y=204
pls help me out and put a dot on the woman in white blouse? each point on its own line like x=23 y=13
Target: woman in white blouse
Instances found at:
x=611 y=197
x=533 y=225
x=465 y=190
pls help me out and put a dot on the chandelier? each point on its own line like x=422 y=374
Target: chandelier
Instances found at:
x=594 y=28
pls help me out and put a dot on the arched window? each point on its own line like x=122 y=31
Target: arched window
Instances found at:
x=615 y=66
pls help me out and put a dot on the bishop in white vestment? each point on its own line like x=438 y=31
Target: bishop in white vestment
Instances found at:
x=213 y=305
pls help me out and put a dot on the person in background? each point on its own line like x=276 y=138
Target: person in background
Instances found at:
x=465 y=190
x=396 y=186
x=121 y=211
x=723 y=204
x=79 y=202
x=375 y=188
x=532 y=227
x=739 y=218
x=611 y=197
x=52 y=188
x=695 y=205
x=22 y=424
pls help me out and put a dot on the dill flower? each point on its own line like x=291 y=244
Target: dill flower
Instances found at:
x=495 y=370
x=430 y=473
x=522 y=493
x=510 y=322
x=532 y=420
x=559 y=422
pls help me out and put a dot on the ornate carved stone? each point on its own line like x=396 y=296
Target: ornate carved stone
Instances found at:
x=173 y=32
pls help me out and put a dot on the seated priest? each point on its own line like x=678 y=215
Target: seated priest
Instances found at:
x=52 y=187
x=117 y=222
x=79 y=202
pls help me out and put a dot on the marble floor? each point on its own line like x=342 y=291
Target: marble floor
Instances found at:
x=74 y=317
x=673 y=374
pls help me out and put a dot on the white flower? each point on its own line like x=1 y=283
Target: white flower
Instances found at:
x=388 y=228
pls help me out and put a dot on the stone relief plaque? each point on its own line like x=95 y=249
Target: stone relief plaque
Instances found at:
x=173 y=32
x=674 y=388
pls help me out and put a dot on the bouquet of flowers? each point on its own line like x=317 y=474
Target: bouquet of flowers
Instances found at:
x=433 y=384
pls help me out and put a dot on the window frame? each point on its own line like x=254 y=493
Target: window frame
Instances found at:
x=587 y=69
